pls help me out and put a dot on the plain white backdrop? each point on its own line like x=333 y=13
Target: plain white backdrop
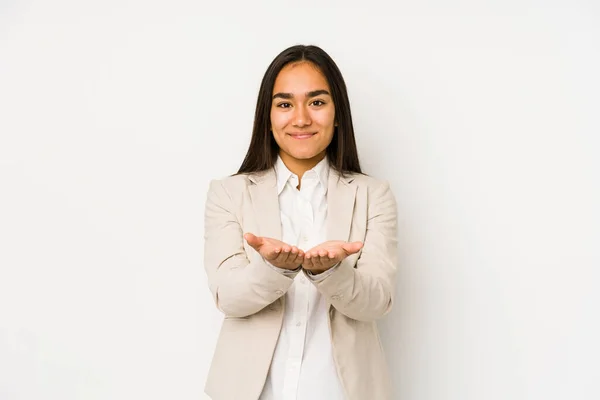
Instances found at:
x=114 y=116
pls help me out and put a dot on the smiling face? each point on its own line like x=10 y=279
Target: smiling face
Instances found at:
x=302 y=115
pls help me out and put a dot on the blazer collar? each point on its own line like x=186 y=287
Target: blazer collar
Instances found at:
x=283 y=174
x=341 y=195
x=269 y=177
x=265 y=203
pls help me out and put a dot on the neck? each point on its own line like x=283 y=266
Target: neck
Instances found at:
x=299 y=167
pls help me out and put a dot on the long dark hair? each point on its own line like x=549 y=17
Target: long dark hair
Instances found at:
x=263 y=150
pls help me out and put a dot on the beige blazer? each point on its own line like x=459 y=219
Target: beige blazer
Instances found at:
x=251 y=294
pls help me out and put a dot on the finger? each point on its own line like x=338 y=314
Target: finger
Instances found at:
x=327 y=262
x=253 y=240
x=284 y=255
x=333 y=257
x=295 y=262
x=296 y=256
x=299 y=260
x=352 y=248
x=308 y=262
x=270 y=253
x=316 y=260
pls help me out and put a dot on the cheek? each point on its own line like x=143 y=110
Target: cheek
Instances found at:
x=326 y=122
x=325 y=117
x=278 y=121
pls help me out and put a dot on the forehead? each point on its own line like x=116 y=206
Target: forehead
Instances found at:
x=299 y=78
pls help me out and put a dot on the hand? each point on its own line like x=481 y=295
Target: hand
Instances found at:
x=276 y=252
x=324 y=256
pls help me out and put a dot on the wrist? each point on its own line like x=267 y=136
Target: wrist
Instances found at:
x=316 y=271
x=290 y=268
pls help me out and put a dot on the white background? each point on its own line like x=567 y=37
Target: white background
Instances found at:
x=114 y=116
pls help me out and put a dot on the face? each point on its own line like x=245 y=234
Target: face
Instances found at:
x=302 y=113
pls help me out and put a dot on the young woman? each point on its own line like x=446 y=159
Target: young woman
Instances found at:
x=300 y=248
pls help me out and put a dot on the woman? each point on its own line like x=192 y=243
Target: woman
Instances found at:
x=300 y=248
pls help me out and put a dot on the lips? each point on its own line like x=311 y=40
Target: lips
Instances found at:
x=301 y=135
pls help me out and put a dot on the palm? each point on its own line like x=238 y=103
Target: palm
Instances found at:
x=276 y=252
x=327 y=254
x=269 y=243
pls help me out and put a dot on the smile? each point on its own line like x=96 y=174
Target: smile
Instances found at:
x=301 y=135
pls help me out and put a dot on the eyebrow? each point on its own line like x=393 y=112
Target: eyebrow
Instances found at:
x=308 y=94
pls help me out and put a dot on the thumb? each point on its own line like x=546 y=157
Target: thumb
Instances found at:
x=253 y=240
x=353 y=247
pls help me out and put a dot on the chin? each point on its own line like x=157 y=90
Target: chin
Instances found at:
x=304 y=155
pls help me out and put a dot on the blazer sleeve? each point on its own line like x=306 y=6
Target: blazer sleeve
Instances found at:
x=239 y=287
x=364 y=289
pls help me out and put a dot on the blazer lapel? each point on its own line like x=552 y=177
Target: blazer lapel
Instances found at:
x=265 y=203
x=341 y=194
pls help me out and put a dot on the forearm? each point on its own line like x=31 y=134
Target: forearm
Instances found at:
x=363 y=285
x=240 y=290
x=357 y=295
x=239 y=279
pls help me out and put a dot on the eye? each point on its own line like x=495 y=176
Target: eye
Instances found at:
x=318 y=103
x=284 y=105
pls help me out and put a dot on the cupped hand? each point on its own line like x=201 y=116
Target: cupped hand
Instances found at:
x=324 y=256
x=276 y=252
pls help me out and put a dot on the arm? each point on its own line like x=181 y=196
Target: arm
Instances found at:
x=239 y=287
x=366 y=293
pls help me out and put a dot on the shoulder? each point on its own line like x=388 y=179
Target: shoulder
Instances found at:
x=227 y=192
x=235 y=185
x=231 y=184
x=371 y=184
x=379 y=194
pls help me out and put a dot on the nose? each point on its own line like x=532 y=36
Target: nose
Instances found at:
x=301 y=117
